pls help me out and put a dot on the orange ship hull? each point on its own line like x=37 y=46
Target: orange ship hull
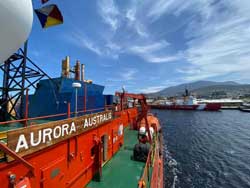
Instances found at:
x=73 y=163
x=71 y=156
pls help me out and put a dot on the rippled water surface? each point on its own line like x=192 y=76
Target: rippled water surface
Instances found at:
x=206 y=149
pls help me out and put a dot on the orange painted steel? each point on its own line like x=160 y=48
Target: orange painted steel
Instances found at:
x=152 y=121
x=68 y=110
x=144 y=108
x=145 y=179
x=155 y=174
x=154 y=159
x=11 y=153
x=70 y=163
x=25 y=183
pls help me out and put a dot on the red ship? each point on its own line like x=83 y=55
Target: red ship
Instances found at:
x=102 y=149
x=188 y=102
x=52 y=147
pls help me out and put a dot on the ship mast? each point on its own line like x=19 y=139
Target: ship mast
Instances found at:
x=20 y=74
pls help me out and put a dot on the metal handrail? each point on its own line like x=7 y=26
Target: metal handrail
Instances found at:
x=145 y=179
x=11 y=153
x=3 y=134
x=53 y=115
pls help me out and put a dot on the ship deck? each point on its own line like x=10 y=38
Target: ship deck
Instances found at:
x=121 y=171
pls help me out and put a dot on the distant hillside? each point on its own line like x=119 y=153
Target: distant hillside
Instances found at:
x=206 y=89
x=224 y=90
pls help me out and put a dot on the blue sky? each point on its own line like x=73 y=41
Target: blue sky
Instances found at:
x=147 y=45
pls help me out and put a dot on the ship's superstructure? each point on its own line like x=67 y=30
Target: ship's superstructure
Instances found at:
x=73 y=152
x=58 y=93
x=71 y=133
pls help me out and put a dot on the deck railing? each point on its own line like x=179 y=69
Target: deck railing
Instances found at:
x=150 y=173
x=67 y=114
x=27 y=121
x=144 y=181
x=32 y=120
x=145 y=178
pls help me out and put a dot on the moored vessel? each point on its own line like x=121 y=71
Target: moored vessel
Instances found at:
x=245 y=107
x=92 y=150
x=188 y=102
x=74 y=151
x=73 y=136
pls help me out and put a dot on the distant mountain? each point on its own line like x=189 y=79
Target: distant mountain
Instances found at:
x=223 y=91
x=205 y=89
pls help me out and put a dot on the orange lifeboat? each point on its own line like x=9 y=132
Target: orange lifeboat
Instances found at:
x=152 y=121
x=154 y=126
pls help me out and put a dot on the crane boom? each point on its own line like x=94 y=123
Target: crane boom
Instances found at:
x=144 y=107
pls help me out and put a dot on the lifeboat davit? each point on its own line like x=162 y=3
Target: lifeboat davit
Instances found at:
x=16 y=17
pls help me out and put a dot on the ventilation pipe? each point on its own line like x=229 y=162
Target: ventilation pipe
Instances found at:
x=82 y=72
x=77 y=70
x=65 y=67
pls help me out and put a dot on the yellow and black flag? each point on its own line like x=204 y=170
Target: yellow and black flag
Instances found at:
x=49 y=16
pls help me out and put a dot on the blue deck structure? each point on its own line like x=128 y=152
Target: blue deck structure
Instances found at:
x=52 y=97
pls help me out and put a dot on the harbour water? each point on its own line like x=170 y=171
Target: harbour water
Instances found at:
x=206 y=149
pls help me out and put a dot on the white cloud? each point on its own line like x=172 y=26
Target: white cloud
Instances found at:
x=162 y=59
x=127 y=74
x=109 y=12
x=82 y=41
x=104 y=49
x=160 y=7
x=148 y=48
x=218 y=37
x=141 y=30
x=113 y=46
x=135 y=22
x=130 y=14
x=177 y=7
x=133 y=35
x=222 y=46
x=151 y=89
x=155 y=52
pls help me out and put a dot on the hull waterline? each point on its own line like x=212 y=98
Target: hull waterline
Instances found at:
x=206 y=107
